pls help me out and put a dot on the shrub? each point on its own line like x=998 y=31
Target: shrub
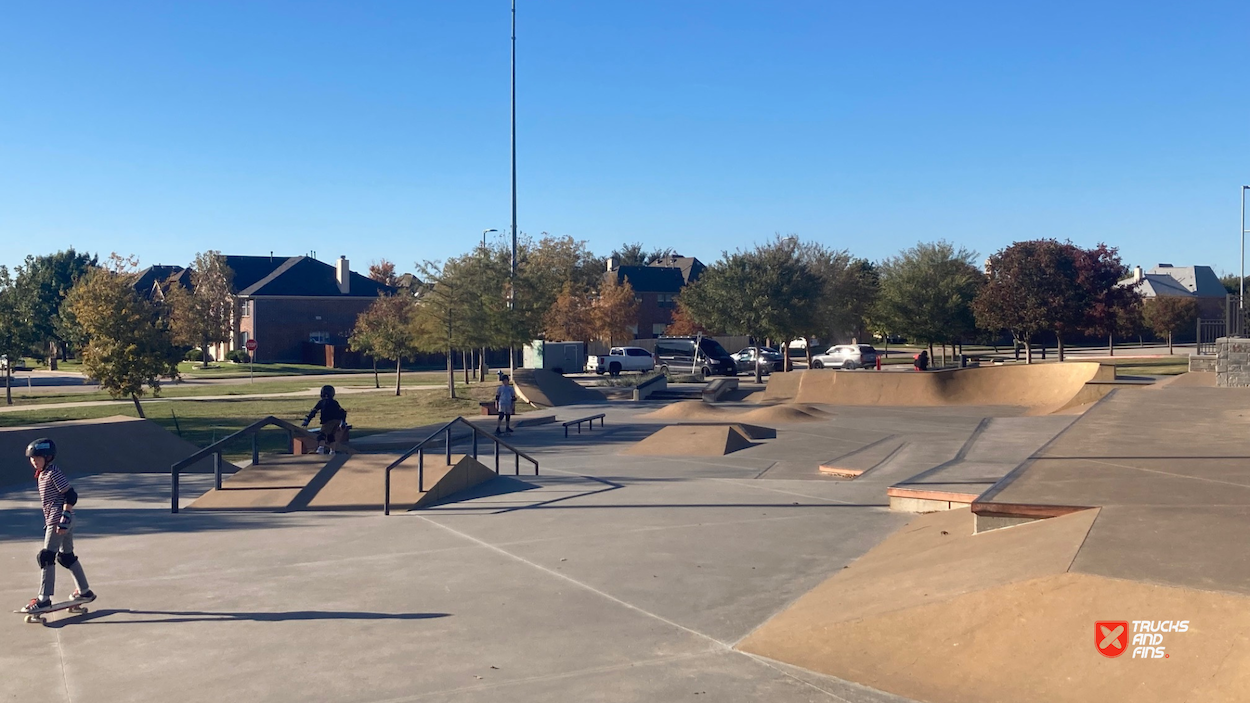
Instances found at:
x=195 y=355
x=238 y=356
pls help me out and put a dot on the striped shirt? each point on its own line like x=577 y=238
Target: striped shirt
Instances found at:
x=52 y=488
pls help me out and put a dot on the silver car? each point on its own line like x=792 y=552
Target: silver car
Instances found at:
x=846 y=356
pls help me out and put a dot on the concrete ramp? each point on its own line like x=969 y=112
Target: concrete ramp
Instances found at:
x=548 y=389
x=699 y=410
x=692 y=440
x=937 y=613
x=1043 y=388
x=286 y=483
x=116 y=444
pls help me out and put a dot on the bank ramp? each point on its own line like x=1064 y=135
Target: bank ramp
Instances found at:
x=1042 y=388
x=115 y=444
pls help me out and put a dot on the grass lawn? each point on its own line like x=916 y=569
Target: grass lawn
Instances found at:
x=1163 y=366
x=203 y=422
x=174 y=390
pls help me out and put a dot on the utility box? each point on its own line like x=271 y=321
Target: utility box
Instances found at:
x=557 y=357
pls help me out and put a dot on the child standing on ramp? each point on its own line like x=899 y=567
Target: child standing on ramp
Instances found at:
x=505 y=401
x=58 y=498
x=332 y=418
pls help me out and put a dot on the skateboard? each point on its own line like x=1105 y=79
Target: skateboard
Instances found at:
x=77 y=607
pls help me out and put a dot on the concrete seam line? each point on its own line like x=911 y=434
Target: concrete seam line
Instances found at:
x=1168 y=473
x=575 y=582
x=739 y=482
x=549 y=677
x=770 y=663
x=60 y=652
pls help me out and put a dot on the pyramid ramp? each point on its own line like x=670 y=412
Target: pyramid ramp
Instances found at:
x=286 y=483
x=692 y=440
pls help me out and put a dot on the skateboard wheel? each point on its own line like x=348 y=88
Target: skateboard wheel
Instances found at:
x=78 y=609
x=33 y=618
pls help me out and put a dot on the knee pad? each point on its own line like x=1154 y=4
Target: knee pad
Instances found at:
x=66 y=559
x=46 y=558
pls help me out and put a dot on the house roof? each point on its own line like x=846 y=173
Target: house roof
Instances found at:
x=248 y=270
x=305 y=276
x=151 y=275
x=650 y=279
x=1178 y=281
x=1199 y=280
x=689 y=266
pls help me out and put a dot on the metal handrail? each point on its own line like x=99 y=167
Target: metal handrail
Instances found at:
x=215 y=449
x=591 y=419
x=448 y=440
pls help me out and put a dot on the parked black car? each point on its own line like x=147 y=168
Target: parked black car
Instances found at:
x=770 y=360
x=679 y=355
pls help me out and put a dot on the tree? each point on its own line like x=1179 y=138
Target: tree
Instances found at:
x=616 y=310
x=441 y=312
x=1109 y=308
x=764 y=292
x=848 y=289
x=1031 y=286
x=129 y=345
x=635 y=254
x=41 y=284
x=1169 y=314
x=14 y=338
x=384 y=272
x=571 y=318
x=684 y=324
x=926 y=293
x=387 y=329
x=204 y=315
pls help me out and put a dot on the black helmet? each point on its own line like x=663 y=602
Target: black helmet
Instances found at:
x=41 y=447
x=327 y=391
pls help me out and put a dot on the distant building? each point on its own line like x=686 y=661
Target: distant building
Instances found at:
x=1166 y=280
x=286 y=303
x=656 y=286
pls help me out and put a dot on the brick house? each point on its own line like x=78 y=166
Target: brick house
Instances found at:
x=287 y=303
x=656 y=286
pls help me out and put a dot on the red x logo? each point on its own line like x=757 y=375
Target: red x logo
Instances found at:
x=1111 y=637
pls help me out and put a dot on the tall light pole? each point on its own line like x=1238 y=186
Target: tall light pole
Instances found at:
x=512 y=270
x=484 y=233
x=1241 y=298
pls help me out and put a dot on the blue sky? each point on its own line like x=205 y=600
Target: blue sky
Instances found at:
x=377 y=129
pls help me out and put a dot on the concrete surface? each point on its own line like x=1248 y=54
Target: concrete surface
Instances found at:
x=691 y=440
x=1170 y=468
x=548 y=389
x=608 y=578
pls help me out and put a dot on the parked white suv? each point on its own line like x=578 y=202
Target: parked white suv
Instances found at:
x=620 y=359
x=846 y=356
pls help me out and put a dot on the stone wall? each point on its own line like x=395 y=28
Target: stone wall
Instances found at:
x=1232 y=362
x=1202 y=362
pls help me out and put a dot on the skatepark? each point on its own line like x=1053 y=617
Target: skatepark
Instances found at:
x=837 y=536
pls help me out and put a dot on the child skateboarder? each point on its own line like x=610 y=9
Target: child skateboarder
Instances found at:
x=505 y=401
x=58 y=498
x=332 y=418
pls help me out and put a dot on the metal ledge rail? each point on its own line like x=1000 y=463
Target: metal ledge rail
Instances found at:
x=449 y=440
x=215 y=449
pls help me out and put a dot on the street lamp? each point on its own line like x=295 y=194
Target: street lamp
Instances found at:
x=484 y=233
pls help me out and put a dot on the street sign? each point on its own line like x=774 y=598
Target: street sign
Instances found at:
x=251 y=345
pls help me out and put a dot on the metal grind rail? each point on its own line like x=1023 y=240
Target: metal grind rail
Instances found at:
x=578 y=422
x=445 y=433
x=215 y=449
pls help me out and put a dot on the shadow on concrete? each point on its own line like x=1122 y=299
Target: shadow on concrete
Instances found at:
x=182 y=616
x=27 y=523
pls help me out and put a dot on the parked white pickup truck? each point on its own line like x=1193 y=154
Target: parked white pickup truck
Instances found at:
x=620 y=359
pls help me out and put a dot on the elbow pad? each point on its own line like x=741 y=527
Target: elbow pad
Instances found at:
x=71 y=497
